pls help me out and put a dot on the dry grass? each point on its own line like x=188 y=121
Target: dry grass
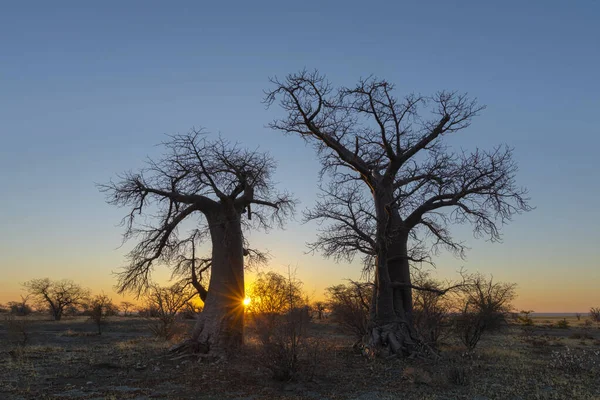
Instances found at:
x=126 y=362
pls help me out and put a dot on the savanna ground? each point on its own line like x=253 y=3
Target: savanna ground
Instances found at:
x=68 y=360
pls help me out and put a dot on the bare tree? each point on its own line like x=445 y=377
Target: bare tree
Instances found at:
x=350 y=305
x=167 y=301
x=394 y=187
x=223 y=187
x=483 y=307
x=56 y=295
x=595 y=315
x=319 y=307
x=99 y=308
x=126 y=306
x=270 y=294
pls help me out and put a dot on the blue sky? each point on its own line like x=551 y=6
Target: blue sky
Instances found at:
x=87 y=90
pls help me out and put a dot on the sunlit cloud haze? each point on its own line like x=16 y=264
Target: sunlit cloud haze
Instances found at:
x=87 y=90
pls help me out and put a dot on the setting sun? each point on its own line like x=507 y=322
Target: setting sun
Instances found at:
x=247 y=301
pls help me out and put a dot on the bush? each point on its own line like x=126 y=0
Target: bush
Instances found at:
x=20 y=308
x=469 y=326
x=431 y=313
x=595 y=314
x=350 y=305
x=99 y=308
x=165 y=303
x=483 y=308
x=563 y=324
x=281 y=317
x=525 y=319
x=126 y=307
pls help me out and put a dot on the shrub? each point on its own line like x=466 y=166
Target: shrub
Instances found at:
x=525 y=319
x=319 y=308
x=563 y=324
x=432 y=309
x=578 y=316
x=99 y=308
x=126 y=307
x=165 y=303
x=483 y=307
x=469 y=326
x=595 y=314
x=281 y=319
x=350 y=305
x=20 y=308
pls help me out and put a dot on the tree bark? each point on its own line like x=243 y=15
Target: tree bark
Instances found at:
x=392 y=331
x=219 y=329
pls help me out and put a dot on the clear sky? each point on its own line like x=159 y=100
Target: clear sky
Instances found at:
x=88 y=89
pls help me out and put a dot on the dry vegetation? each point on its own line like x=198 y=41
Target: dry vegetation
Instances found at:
x=68 y=359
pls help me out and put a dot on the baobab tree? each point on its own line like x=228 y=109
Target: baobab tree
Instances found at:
x=393 y=187
x=223 y=188
x=190 y=268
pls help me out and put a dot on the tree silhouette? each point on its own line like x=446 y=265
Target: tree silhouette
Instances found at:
x=226 y=190
x=393 y=187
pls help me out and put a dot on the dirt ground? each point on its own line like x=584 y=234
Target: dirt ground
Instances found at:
x=67 y=360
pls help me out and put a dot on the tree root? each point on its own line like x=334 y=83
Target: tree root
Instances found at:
x=396 y=340
x=189 y=346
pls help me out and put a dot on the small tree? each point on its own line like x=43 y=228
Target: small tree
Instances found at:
x=126 y=307
x=167 y=302
x=526 y=319
x=270 y=301
x=319 y=308
x=270 y=292
x=350 y=306
x=101 y=307
x=56 y=295
x=281 y=318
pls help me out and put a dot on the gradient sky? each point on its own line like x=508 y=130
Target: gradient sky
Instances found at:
x=88 y=89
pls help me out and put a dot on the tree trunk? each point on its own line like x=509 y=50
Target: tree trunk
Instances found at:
x=392 y=331
x=219 y=329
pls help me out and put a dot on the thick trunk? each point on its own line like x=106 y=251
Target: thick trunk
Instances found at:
x=220 y=327
x=392 y=331
x=399 y=268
